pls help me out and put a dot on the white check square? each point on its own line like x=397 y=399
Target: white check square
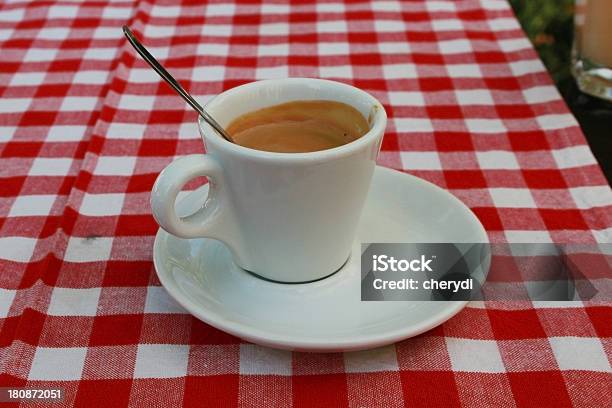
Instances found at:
x=495 y=4
x=40 y=54
x=6 y=34
x=413 y=125
x=591 y=196
x=221 y=50
x=328 y=7
x=504 y=23
x=188 y=130
x=464 y=70
x=6 y=300
x=53 y=33
x=117 y=130
x=274 y=29
x=165 y=11
x=386 y=6
x=454 y=46
x=333 y=48
x=267 y=8
x=32 y=205
x=523 y=67
x=155 y=31
x=270 y=50
x=560 y=121
x=218 y=30
x=7 y=133
x=396 y=47
x=406 y=98
x=99 y=205
x=485 y=125
x=440 y=5
x=337 y=26
x=209 y=73
x=336 y=71
x=258 y=360
x=57 y=364
x=161 y=361
x=104 y=54
x=18 y=249
x=90 y=249
x=78 y=103
x=159 y=301
x=528 y=236
x=136 y=102
x=420 y=160
x=395 y=71
x=474 y=356
x=74 y=302
x=28 y=78
x=474 y=97
x=603 y=235
x=9 y=105
x=115 y=165
x=514 y=44
x=281 y=71
x=444 y=25
x=580 y=353
x=512 y=198
x=117 y=13
x=389 y=26
x=90 y=77
x=66 y=133
x=59 y=11
x=541 y=94
x=12 y=15
x=43 y=166
x=497 y=159
x=374 y=360
x=223 y=9
x=574 y=156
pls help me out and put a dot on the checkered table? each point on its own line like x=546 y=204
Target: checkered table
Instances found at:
x=86 y=126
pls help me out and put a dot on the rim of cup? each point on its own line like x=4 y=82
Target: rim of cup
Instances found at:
x=377 y=124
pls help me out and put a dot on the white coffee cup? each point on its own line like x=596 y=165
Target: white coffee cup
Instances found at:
x=288 y=217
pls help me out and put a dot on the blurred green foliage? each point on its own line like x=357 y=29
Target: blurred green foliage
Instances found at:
x=550 y=27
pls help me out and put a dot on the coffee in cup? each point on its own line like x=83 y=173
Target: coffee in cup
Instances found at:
x=299 y=127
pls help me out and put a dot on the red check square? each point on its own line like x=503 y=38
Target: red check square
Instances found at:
x=116 y=330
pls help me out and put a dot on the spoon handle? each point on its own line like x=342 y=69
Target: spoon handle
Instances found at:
x=157 y=67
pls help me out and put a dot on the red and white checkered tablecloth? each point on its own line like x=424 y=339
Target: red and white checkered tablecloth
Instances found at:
x=86 y=126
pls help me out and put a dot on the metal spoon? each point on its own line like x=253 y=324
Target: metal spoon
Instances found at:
x=157 y=67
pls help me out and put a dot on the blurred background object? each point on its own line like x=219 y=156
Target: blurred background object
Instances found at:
x=592 y=49
x=549 y=24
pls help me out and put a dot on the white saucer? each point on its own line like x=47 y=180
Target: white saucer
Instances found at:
x=326 y=315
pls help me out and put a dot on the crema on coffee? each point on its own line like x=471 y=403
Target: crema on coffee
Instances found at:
x=299 y=127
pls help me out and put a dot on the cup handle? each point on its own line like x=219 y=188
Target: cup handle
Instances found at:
x=212 y=219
